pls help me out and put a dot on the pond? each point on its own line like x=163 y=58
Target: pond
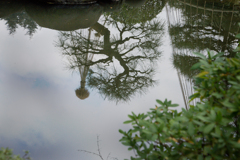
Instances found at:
x=70 y=74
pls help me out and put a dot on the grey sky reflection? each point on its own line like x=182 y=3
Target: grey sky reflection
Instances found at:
x=49 y=120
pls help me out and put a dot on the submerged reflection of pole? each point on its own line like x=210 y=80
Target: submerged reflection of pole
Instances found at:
x=185 y=83
x=82 y=92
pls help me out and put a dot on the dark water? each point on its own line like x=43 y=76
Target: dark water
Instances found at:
x=69 y=73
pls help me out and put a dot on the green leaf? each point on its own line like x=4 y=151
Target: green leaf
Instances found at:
x=204 y=62
x=126 y=143
x=199 y=55
x=218 y=55
x=219 y=117
x=143 y=123
x=160 y=128
x=131 y=117
x=200 y=157
x=154 y=137
x=121 y=131
x=129 y=121
x=198 y=123
x=238 y=36
x=159 y=102
x=235 y=144
x=174 y=105
x=134 y=115
x=159 y=120
x=217 y=95
x=208 y=158
x=208 y=128
x=181 y=118
x=152 y=127
x=237 y=49
x=202 y=74
x=192 y=97
x=165 y=102
x=218 y=131
x=191 y=129
x=196 y=66
x=210 y=54
x=206 y=150
x=147 y=131
x=204 y=119
x=231 y=106
x=213 y=115
x=228 y=104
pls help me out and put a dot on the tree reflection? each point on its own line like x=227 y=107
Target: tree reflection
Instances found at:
x=82 y=14
x=13 y=12
x=119 y=63
x=204 y=28
x=22 y=19
x=184 y=63
x=140 y=12
x=195 y=26
x=198 y=27
x=123 y=63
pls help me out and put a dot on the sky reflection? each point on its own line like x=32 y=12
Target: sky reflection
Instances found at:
x=39 y=110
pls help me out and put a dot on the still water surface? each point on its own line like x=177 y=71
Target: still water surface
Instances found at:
x=71 y=73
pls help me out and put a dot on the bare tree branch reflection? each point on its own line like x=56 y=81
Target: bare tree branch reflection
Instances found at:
x=123 y=63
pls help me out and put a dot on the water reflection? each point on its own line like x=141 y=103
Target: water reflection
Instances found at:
x=64 y=18
x=115 y=55
x=54 y=15
x=195 y=26
x=8 y=7
x=13 y=12
x=124 y=62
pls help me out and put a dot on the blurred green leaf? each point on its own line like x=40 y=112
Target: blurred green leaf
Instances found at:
x=200 y=55
x=174 y=105
x=196 y=66
x=126 y=122
x=159 y=102
x=238 y=36
x=191 y=129
x=208 y=128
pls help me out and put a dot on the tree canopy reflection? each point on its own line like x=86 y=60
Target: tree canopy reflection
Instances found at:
x=198 y=29
x=13 y=12
x=119 y=64
x=82 y=14
x=198 y=26
x=140 y=14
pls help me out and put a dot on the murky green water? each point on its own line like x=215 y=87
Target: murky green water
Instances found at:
x=71 y=72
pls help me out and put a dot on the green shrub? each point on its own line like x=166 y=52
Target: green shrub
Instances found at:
x=7 y=154
x=210 y=130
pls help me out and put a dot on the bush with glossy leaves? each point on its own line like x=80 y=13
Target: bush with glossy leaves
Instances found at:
x=209 y=130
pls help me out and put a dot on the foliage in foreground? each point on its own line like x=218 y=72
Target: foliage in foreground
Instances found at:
x=7 y=154
x=210 y=130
